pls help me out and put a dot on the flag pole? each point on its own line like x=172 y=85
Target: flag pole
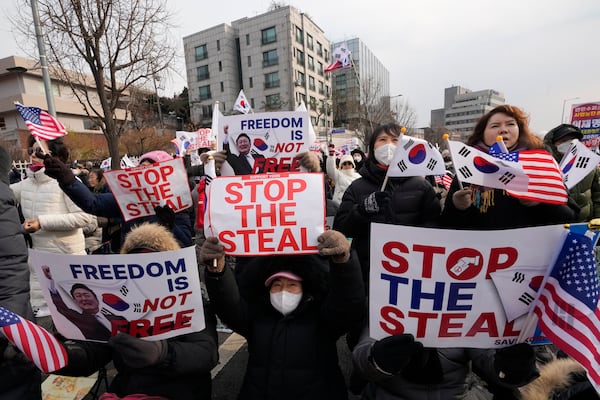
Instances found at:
x=501 y=144
x=383 y=185
x=446 y=137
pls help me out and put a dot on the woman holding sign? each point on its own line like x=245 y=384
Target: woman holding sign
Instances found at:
x=299 y=307
x=105 y=204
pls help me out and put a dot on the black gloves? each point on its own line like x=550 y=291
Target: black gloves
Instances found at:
x=165 y=216
x=58 y=170
x=515 y=364
x=138 y=353
x=374 y=203
x=392 y=354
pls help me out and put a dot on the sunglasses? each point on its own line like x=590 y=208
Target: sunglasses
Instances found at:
x=37 y=152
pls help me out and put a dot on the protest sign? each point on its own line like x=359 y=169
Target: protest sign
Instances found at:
x=449 y=288
x=274 y=139
x=138 y=190
x=267 y=214
x=149 y=295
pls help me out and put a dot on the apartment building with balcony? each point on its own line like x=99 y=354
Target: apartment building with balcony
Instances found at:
x=278 y=58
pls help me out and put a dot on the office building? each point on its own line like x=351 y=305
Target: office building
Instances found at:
x=278 y=58
x=462 y=109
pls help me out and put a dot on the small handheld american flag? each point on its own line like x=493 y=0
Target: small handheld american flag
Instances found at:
x=41 y=124
x=34 y=341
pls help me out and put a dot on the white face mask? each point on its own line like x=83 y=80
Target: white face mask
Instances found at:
x=357 y=159
x=285 y=302
x=384 y=154
x=563 y=147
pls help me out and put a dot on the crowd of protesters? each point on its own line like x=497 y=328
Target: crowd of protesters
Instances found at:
x=291 y=309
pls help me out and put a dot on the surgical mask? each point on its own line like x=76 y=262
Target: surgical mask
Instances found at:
x=384 y=154
x=285 y=302
x=563 y=147
x=357 y=158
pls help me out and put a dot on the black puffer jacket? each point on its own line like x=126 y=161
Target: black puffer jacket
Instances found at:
x=413 y=202
x=19 y=378
x=292 y=357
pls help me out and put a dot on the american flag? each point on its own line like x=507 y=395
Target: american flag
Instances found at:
x=444 y=180
x=567 y=307
x=41 y=124
x=34 y=341
x=545 y=179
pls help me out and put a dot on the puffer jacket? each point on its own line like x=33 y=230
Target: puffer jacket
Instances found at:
x=413 y=202
x=19 y=378
x=292 y=357
x=585 y=193
x=61 y=221
x=341 y=179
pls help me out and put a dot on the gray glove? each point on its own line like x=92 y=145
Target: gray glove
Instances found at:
x=309 y=161
x=138 y=353
x=333 y=243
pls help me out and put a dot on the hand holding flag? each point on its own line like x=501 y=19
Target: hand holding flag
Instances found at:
x=35 y=342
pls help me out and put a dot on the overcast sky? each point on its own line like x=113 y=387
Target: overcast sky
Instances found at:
x=538 y=54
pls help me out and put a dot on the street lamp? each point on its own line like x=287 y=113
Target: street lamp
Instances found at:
x=562 y=118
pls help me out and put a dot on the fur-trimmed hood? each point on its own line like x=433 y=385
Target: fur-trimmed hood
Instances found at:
x=149 y=236
x=555 y=377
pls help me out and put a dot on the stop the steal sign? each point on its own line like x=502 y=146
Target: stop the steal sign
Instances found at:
x=267 y=213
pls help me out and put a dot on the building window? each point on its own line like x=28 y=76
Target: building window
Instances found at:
x=202 y=73
x=220 y=66
x=302 y=98
x=268 y=35
x=247 y=39
x=309 y=41
x=218 y=45
x=300 y=57
x=326 y=56
x=313 y=103
x=299 y=36
x=311 y=63
x=222 y=87
x=320 y=68
x=301 y=81
x=251 y=82
x=204 y=92
x=340 y=80
x=272 y=80
x=207 y=112
x=249 y=61
x=270 y=58
x=201 y=53
x=311 y=83
x=252 y=103
x=321 y=88
x=273 y=101
x=2 y=124
x=319 y=49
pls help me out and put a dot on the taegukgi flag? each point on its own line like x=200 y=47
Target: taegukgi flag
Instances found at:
x=577 y=163
x=416 y=157
x=478 y=168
